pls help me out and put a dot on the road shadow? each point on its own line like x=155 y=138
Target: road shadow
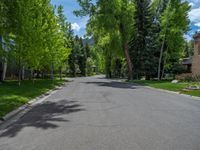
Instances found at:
x=44 y=116
x=114 y=84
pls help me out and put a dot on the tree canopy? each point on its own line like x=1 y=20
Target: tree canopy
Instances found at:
x=131 y=38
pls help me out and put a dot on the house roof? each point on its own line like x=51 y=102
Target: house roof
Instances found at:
x=187 y=61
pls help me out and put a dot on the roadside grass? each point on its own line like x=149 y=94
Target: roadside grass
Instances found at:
x=167 y=85
x=13 y=96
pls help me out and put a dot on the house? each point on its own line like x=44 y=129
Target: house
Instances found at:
x=196 y=57
x=192 y=64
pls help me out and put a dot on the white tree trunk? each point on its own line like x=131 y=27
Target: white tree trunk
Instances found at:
x=52 y=71
x=160 y=59
x=4 y=70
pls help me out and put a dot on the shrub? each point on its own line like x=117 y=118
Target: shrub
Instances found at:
x=189 y=77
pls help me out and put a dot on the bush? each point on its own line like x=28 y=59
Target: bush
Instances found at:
x=189 y=77
x=90 y=70
x=178 y=69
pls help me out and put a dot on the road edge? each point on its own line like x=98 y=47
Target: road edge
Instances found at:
x=18 y=113
x=166 y=91
x=172 y=92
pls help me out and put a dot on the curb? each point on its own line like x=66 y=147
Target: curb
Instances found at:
x=16 y=114
x=166 y=91
x=170 y=92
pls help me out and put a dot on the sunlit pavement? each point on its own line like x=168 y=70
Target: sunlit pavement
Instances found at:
x=94 y=113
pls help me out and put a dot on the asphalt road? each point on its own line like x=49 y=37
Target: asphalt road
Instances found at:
x=94 y=113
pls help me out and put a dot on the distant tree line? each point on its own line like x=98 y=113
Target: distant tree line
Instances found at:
x=84 y=59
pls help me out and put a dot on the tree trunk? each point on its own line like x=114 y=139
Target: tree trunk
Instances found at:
x=1 y=48
x=60 y=73
x=23 y=73
x=163 y=70
x=19 y=76
x=126 y=51
x=147 y=77
x=19 y=71
x=52 y=71
x=162 y=49
x=4 y=70
x=108 y=67
x=160 y=59
x=30 y=75
x=19 y=64
x=129 y=63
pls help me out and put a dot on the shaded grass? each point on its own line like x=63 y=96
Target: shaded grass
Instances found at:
x=167 y=85
x=13 y=96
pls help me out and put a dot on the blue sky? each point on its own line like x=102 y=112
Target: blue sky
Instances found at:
x=194 y=16
x=79 y=24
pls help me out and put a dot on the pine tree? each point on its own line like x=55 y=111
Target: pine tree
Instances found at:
x=142 y=43
x=82 y=57
x=87 y=50
x=72 y=61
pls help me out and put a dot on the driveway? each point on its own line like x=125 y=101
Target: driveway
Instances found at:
x=94 y=113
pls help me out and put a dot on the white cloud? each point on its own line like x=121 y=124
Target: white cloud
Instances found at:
x=192 y=4
x=188 y=37
x=197 y=24
x=194 y=15
x=76 y=27
x=83 y=22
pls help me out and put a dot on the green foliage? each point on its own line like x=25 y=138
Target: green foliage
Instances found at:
x=72 y=61
x=178 y=68
x=159 y=28
x=174 y=24
x=188 y=49
x=41 y=40
x=109 y=24
x=142 y=45
x=90 y=63
x=82 y=57
x=44 y=41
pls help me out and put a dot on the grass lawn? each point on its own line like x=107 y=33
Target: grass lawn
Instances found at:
x=13 y=96
x=167 y=85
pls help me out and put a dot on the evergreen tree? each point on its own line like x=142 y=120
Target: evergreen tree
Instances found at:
x=142 y=43
x=82 y=57
x=87 y=50
x=72 y=61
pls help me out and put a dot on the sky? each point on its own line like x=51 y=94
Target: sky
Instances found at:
x=79 y=24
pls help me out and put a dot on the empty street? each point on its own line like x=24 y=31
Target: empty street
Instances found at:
x=94 y=113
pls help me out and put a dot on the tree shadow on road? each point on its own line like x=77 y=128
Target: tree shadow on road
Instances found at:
x=44 y=116
x=114 y=84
